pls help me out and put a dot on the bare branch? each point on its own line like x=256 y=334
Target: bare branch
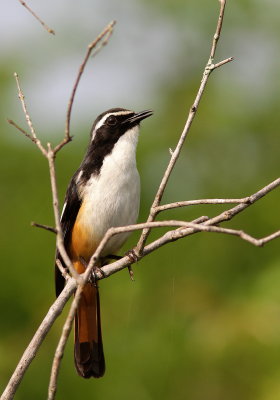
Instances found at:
x=50 y=155
x=218 y=29
x=31 y=350
x=172 y=236
x=186 y=203
x=63 y=271
x=62 y=343
x=174 y=157
x=33 y=135
x=224 y=216
x=101 y=39
x=45 y=26
x=11 y=122
x=183 y=232
x=46 y=227
x=228 y=214
x=221 y=63
x=59 y=236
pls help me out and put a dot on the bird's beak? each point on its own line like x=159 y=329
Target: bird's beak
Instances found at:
x=137 y=117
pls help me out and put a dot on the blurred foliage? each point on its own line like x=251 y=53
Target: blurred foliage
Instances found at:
x=202 y=319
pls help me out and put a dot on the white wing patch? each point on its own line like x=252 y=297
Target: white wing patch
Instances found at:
x=63 y=209
x=79 y=177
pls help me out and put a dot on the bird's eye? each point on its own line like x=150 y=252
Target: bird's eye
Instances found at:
x=112 y=120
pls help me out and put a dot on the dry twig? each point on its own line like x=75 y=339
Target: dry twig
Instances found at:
x=32 y=136
x=62 y=343
x=101 y=40
x=46 y=227
x=45 y=26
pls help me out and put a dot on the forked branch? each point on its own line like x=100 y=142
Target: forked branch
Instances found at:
x=192 y=113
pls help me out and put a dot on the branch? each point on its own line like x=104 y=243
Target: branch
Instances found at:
x=245 y=201
x=11 y=122
x=101 y=39
x=218 y=29
x=63 y=270
x=32 y=136
x=59 y=236
x=192 y=113
x=62 y=343
x=186 y=203
x=46 y=227
x=31 y=350
x=228 y=214
x=45 y=26
x=171 y=236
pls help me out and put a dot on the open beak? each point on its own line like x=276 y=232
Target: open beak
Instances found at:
x=137 y=117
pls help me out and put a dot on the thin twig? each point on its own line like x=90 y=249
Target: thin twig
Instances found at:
x=62 y=343
x=50 y=155
x=218 y=29
x=228 y=214
x=45 y=26
x=11 y=122
x=46 y=227
x=221 y=63
x=63 y=271
x=208 y=69
x=33 y=135
x=103 y=37
x=187 y=203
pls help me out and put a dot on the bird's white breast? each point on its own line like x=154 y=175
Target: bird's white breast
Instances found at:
x=112 y=198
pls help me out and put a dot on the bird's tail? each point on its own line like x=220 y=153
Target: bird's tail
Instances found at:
x=88 y=352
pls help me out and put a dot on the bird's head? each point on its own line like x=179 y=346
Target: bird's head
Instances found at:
x=116 y=122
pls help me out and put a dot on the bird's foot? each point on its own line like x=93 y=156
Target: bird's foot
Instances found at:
x=95 y=272
x=131 y=254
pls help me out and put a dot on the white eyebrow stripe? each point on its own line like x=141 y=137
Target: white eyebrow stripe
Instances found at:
x=103 y=119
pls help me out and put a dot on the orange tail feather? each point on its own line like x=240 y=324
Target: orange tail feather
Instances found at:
x=88 y=352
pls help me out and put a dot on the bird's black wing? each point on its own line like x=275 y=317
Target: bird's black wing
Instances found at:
x=72 y=204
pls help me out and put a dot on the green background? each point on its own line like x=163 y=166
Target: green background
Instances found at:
x=202 y=319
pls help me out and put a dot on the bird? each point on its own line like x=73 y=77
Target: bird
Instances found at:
x=104 y=192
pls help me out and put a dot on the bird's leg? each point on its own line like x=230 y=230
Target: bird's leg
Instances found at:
x=132 y=256
x=96 y=269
